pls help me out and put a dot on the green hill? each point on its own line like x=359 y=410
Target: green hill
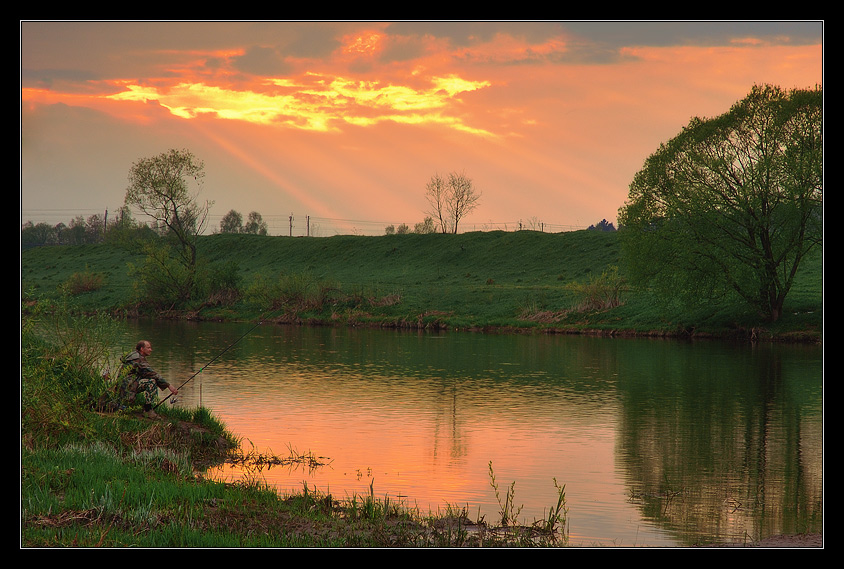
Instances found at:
x=473 y=280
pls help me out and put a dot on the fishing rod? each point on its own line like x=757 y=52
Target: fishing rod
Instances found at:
x=212 y=360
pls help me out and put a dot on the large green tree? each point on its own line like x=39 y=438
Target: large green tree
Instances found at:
x=166 y=188
x=732 y=204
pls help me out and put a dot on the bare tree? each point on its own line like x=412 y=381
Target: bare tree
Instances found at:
x=451 y=199
x=435 y=193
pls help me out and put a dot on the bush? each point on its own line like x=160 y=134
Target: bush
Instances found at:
x=599 y=293
x=83 y=282
x=222 y=283
x=293 y=292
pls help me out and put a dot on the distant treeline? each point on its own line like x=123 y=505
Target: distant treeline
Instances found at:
x=104 y=228
x=95 y=229
x=602 y=225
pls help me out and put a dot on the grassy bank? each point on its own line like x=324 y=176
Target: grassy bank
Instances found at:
x=98 y=477
x=93 y=477
x=522 y=280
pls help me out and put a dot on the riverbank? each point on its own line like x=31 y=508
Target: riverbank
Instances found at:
x=502 y=282
x=93 y=475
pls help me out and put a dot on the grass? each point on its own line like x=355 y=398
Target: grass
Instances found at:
x=524 y=280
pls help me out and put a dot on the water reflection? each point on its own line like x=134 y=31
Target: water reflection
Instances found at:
x=657 y=442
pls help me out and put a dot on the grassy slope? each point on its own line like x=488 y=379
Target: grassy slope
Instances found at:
x=469 y=280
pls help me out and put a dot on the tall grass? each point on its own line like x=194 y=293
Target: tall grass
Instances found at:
x=598 y=293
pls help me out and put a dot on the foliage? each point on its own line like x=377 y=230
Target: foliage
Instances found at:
x=83 y=340
x=731 y=205
x=159 y=187
x=255 y=224
x=66 y=359
x=83 y=282
x=161 y=279
x=292 y=292
x=508 y=512
x=450 y=199
x=222 y=283
x=423 y=227
x=553 y=526
x=232 y=222
x=602 y=225
x=599 y=293
x=96 y=229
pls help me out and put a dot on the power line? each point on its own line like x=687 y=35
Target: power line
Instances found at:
x=298 y=225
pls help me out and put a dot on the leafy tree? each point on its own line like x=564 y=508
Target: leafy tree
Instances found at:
x=425 y=227
x=75 y=232
x=160 y=188
x=232 y=222
x=162 y=278
x=255 y=224
x=450 y=199
x=36 y=235
x=602 y=225
x=731 y=204
x=123 y=230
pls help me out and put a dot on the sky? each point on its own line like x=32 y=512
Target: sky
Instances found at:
x=339 y=125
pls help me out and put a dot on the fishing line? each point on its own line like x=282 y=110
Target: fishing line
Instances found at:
x=200 y=370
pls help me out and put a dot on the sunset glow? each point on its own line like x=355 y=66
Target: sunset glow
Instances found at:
x=349 y=120
x=321 y=105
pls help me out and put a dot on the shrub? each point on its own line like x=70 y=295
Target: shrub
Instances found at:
x=79 y=283
x=293 y=292
x=599 y=293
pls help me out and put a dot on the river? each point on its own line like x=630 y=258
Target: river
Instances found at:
x=658 y=442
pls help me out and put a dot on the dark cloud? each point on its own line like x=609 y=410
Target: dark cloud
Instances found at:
x=120 y=49
x=711 y=33
x=602 y=41
x=46 y=78
x=259 y=60
x=464 y=33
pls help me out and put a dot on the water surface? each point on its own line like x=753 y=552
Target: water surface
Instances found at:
x=658 y=442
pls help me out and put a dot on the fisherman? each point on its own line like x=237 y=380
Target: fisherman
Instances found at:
x=143 y=379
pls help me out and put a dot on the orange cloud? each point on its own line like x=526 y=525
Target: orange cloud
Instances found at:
x=323 y=104
x=364 y=43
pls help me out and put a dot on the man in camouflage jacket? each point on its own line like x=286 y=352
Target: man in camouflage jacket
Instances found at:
x=143 y=379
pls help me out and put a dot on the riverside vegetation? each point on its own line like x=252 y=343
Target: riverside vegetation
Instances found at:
x=91 y=477
x=526 y=280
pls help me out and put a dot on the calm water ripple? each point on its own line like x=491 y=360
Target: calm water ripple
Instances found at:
x=657 y=442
